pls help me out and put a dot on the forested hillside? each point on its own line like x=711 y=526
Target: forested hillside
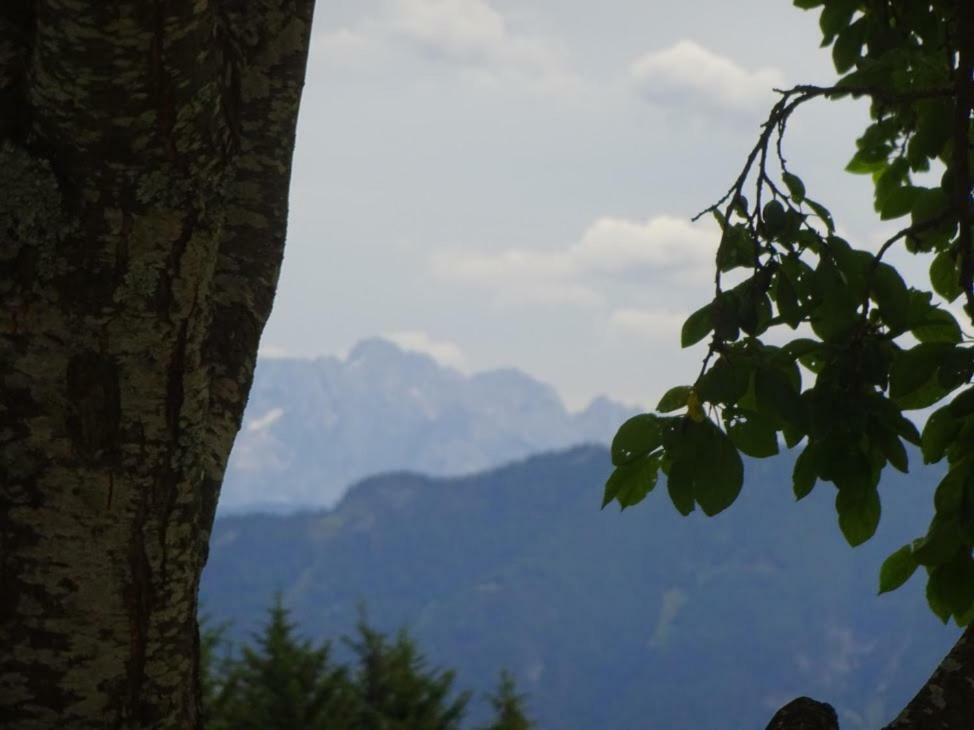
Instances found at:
x=640 y=619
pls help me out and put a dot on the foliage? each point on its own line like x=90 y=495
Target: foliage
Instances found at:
x=865 y=346
x=291 y=684
x=215 y=670
x=283 y=683
x=511 y=568
x=395 y=690
x=508 y=707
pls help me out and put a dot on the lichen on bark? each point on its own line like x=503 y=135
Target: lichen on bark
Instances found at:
x=140 y=180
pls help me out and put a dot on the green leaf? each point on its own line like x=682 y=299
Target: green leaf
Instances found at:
x=777 y=397
x=726 y=316
x=801 y=347
x=736 y=249
x=773 y=216
x=937 y=325
x=679 y=485
x=957 y=451
x=863 y=164
x=963 y=404
x=795 y=187
x=636 y=437
x=933 y=128
x=718 y=485
x=754 y=435
x=941 y=542
x=897 y=569
x=953 y=583
x=848 y=46
x=896 y=202
x=674 y=399
x=835 y=16
x=875 y=358
x=792 y=435
x=838 y=313
x=805 y=473
x=844 y=462
x=938 y=433
x=949 y=496
x=945 y=277
x=907 y=430
x=928 y=394
x=630 y=483
x=787 y=301
x=859 y=511
x=930 y=204
x=698 y=325
x=936 y=600
x=823 y=213
x=753 y=312
x=913 y=376
x=893 y=450
x=706 y=465
x=892 y=295
x=956 y=369
x=725 y=382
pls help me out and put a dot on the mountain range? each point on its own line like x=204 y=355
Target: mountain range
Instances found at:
x=313 y=427
x=640 y=620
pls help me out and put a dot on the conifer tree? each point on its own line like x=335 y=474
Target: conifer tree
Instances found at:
x=508 y=704
x=284 y=683
x=397 y=691
x=216 y=666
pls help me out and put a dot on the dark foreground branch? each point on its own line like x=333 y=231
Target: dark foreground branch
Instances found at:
x=805 y=713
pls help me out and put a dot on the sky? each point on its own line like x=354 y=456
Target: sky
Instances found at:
x=510 y=182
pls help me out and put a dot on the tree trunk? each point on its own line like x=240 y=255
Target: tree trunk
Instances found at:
x=145 y=151
x=946 y=701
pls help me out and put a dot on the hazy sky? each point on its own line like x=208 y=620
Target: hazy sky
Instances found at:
x=510 y=182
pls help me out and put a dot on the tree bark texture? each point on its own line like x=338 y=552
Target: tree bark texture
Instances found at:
x=145 y=153
x=946 y=701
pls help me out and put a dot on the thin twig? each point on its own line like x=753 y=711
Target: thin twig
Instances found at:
x=909 y=232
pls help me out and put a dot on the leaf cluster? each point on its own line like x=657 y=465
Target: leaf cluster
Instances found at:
x=861 y=347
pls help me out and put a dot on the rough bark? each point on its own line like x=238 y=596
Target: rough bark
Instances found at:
x=946 y=701
x=145 y=150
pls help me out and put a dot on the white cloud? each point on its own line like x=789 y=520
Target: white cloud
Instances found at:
x=343 y=46
x=619 y=246
x=461 y=30
x=261 y=423
x=443 y=351
x=687 y=74
x=661 y=325
x=474 y=35
x=613 y=251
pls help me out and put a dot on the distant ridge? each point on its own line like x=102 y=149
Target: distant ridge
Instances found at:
x=313 y=427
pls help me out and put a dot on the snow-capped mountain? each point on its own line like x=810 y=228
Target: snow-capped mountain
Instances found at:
x=313 y=427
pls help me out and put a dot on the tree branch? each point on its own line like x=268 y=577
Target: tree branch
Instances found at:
x=876 y=92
